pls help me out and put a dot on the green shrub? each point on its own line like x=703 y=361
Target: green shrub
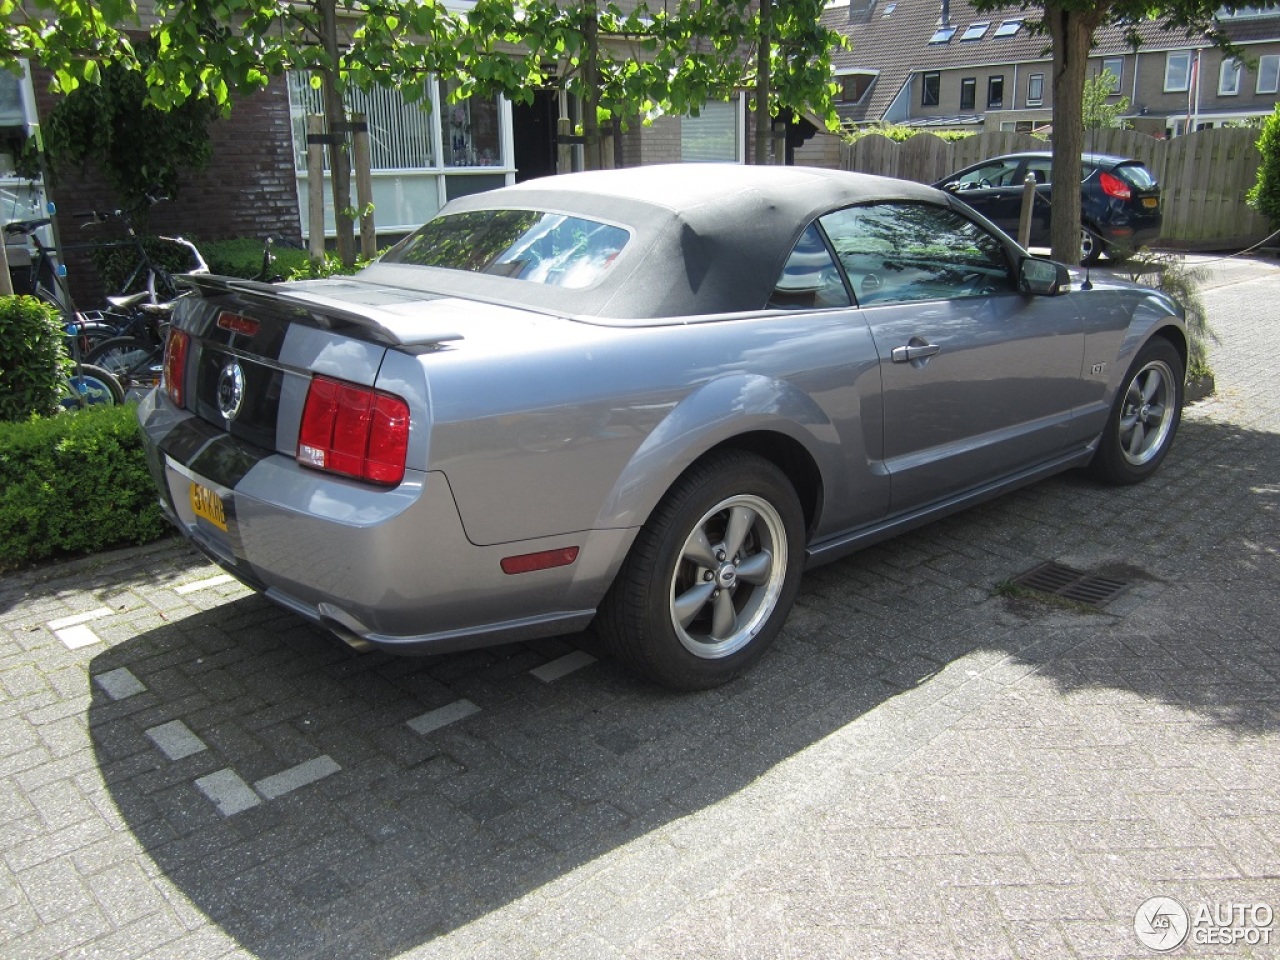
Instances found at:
x=74 y=484
x=1264 y=196
x=898 y=133
x=32 y=357
x=242 y=257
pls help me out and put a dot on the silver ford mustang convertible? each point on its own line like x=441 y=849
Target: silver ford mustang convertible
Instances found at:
x=642 y=399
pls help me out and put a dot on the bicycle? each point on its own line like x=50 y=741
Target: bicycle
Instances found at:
x=136 y=356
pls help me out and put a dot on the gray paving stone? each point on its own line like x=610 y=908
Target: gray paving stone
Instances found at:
x=295 y=777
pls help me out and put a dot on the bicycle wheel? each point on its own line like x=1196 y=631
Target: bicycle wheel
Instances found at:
x=90 y=386
x=136 y=363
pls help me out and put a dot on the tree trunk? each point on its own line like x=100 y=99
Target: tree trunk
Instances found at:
x=764 y=53
x=1072 y=33
x=592 y=158
x=335 y=114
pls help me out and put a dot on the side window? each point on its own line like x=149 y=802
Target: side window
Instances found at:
x=998 y=173
x=1041 y=168
x=899 y=252
x=810 y=280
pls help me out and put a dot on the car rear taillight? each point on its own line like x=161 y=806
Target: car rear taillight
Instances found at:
x=354 y=431
x=175 y=366
x=1113 y=186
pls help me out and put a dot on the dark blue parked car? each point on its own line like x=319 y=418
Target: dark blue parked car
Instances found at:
x=1119 y=199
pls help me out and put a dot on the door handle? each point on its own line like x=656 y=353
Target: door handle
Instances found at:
x=916 y=350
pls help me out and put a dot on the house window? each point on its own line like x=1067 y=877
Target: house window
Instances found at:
x=1177 y=72
x=1229 y=78
x=995 y=92
x=931 y=89
x=1115 y=67
x=968 y=93
x=855 y=86
x=1035 y=89
x=1268 y=74
x=711 y=136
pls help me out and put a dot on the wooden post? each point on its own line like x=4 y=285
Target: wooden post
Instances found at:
x=364 y=187
x=6 y=281
x=1024 y=218
x=315 y=186
x=564 y=149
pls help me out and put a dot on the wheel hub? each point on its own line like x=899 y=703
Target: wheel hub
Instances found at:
x=727 y=576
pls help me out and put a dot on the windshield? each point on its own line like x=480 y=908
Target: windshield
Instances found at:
x=540 y=247
x=1137 y=174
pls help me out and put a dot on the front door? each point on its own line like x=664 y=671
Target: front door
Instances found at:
x=979 y=380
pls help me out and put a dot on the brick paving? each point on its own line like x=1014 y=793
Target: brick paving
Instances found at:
x=924 y=766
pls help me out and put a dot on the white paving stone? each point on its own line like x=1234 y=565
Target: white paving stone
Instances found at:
x=175 y=740
x=563 y=666
x=286 y=781
x=229 y=793
x=79 y=618
x=76 y=637
x=204 y=584
x=119 y=683
x=442 y=717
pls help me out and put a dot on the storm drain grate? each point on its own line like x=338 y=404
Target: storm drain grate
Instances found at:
x=1059 y=580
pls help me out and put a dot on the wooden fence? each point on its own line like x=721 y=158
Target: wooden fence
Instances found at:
x=1203 y=176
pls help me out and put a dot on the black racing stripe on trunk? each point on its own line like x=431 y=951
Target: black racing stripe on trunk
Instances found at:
x=211 y=453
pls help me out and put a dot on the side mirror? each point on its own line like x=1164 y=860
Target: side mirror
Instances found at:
x=1040 y=277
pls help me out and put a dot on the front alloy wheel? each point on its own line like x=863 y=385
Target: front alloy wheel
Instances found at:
x=1144 y=417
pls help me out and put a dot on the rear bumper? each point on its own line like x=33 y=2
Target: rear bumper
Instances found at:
x=388 y=567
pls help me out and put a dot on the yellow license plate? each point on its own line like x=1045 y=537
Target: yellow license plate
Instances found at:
x=1149 y=201
x=208 y=505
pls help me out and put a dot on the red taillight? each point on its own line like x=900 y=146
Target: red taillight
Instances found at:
x=1113 y=186
x=175 y=366
x=354 y=431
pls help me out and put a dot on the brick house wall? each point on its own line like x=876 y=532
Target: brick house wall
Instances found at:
x=248 y=188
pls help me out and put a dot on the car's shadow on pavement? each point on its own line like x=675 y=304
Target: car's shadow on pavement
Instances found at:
x=345 y=831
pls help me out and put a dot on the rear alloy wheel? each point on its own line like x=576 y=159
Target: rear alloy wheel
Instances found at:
x=1144 y=417
x=1091 y=247
x=711 y=577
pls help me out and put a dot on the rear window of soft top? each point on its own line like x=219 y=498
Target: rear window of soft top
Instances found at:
x=554 y=249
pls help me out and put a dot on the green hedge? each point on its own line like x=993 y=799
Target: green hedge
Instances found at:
x=243 y=258
x=32 y=358
x=75 y=483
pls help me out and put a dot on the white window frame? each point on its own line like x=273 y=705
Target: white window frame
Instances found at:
x=1116 y=66
x=1170 y=58
x=1229 y=77
x=1268 y=74
x=1034 y=101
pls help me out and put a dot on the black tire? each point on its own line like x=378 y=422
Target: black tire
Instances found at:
x=90 y=386
x=687 y=618
x=1091 y=247
x=1144 y=417
x=133 y=361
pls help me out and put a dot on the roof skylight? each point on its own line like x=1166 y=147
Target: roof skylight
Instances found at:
x=975 y=31
x=1009 y=28
x=942 y=34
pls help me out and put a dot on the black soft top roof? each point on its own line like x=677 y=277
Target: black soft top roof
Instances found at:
x=706 y=238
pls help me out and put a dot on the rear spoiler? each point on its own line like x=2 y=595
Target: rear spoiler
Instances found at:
x=388 y=328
